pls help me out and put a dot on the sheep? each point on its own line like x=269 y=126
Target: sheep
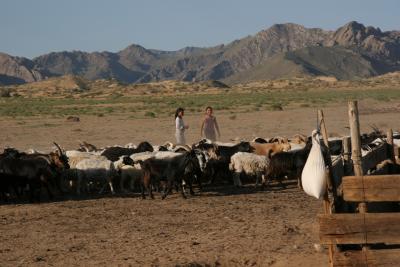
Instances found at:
x=250 y=164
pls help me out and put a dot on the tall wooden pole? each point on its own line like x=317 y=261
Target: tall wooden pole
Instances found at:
x=355 y=138
x=329 y=207
x=356 y=152
x=330 y=184
x=323 y=127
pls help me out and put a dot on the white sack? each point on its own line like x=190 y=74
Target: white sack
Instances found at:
x=313 y=176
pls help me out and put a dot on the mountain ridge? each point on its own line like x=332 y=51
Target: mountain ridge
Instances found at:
x=283 y=45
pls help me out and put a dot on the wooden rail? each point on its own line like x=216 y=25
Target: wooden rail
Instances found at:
x=383 y=257
x=359 y=228
x=372 y=188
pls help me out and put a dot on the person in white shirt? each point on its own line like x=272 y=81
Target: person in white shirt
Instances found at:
x=180 y=127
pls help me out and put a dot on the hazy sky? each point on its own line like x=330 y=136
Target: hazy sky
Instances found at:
x=33 y=27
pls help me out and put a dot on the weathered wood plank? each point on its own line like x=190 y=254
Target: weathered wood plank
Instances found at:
x=382 y=257
x=373 y=158
x=371 y=188
x=357 y=229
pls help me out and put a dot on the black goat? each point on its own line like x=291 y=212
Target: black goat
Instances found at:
x=114 y=153
x=219 y=167
x=174 y=170
x=33 y=169
x=291 y=164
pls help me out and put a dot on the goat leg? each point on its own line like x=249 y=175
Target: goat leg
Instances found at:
x=183 y=191
x=111 y=186
x=150 y=189
x=236 y=179
x=191 y=188
x=168 y=189
x=142 y=190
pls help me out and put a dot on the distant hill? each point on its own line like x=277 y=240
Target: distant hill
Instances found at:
x=17 y=70
x=335 y=61
x=283 y=50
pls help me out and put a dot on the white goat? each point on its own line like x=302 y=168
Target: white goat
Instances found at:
x=130 y=173
x=250 y=164
x=95 y=168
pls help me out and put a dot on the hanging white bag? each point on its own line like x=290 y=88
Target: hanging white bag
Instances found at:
x=313 y=177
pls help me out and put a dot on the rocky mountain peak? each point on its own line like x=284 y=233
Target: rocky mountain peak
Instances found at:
x=353 y=33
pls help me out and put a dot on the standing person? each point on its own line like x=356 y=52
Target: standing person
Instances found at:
x=209 y=125
x=180 y=127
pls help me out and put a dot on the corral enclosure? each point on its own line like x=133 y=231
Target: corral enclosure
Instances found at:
x=221 y=226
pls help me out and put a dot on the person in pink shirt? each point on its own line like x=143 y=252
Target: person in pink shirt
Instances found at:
x=209 y=126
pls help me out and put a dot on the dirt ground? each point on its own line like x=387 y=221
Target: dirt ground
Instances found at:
x=222 y=226
x=39 y=133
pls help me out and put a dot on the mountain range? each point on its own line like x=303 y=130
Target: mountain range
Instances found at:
x=284 y=50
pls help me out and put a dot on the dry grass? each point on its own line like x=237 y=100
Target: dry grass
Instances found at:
x=71 y=95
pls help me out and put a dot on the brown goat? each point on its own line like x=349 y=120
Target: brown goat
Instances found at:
x=269 y=149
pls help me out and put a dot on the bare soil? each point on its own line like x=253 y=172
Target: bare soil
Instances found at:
x=222 y=226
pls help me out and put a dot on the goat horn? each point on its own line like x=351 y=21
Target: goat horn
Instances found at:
x=58 y=147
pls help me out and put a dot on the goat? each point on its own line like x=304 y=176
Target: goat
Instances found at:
x=181 y=148
x=291 y=164
x=37 y=169
x=86 y=147
x=259 y=140
x=219 y=166
x=269 y=148
x=114 y=153
x=129 y=171
x=175 y=170
x=97 y=169
x=75 y=157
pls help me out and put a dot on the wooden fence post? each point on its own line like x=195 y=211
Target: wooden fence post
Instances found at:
x=356 y=151
x=391 y=146
x=356 y=145
x=355 y=138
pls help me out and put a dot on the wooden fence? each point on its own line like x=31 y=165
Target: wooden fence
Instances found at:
x=355 y=236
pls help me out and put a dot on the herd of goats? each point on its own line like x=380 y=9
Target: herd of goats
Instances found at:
x=89 y=170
